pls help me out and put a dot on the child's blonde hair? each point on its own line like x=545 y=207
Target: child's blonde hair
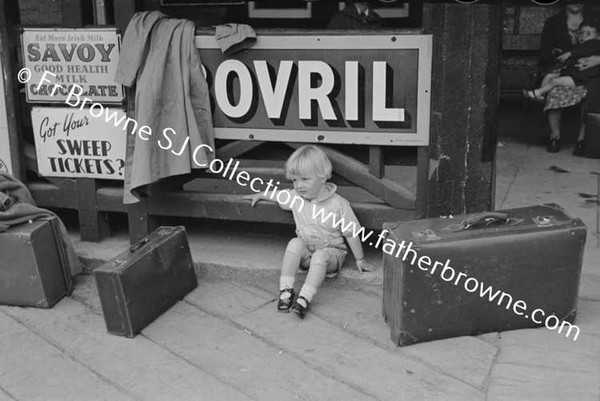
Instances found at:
x=308 y=160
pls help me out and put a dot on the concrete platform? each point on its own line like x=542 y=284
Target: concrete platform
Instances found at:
x=225 y=341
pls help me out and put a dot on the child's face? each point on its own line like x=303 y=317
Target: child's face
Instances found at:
x=308 y=186
x=588 y=33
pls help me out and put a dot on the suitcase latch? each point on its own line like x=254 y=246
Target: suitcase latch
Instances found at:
x=544 y=221
x=426 y=235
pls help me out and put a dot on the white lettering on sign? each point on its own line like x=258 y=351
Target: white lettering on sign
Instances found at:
x=352 y=90
x=380 y=89
x=307 y=93
x=273 y=97
x=246 y=89
x=316 y=82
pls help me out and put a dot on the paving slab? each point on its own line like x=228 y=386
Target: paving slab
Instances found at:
x=4 y=396
x=510 y=382
x=589 y=286
x=334 y=352
x=588 y=317
x=468 y=359
x=263 y=371
x=138 y=367
x=33 y=369
x=359 y=313
x=537 y=357
x=552 y=341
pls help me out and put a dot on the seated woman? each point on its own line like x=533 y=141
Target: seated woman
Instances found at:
x=562 y=97
x=569 y=75
x=559 y=35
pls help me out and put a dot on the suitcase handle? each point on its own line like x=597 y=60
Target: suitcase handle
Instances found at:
x=485 y=219
x=137 y=246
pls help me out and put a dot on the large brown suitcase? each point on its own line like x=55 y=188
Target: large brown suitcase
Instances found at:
x=532 y=255
x=33 y=269
x=143 y=282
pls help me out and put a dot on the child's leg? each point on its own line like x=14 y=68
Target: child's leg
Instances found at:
x=549 y=77
x=554 y=82
x=294 y=253
x=323 y=261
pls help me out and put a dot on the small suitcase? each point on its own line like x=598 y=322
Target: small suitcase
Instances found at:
x=33 y=269
x=143 y=282
x=533 y=254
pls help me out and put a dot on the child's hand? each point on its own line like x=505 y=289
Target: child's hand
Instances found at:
x=564 y=57
x=363 y=266
x=254 y=198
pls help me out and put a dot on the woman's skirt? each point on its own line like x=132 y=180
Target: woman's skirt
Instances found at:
x=562 y=96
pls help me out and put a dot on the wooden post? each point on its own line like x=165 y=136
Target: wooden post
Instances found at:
x=76 y=13
x=376 y=161
x=466 y=59
x=422 y=180
x=93 y=224
x=141 y=223
x=124 y=10
x=9 y=18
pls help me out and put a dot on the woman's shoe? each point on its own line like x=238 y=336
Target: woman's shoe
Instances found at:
x=286 y=298
x=298 y=308
x=579 y=149
x=553 y=145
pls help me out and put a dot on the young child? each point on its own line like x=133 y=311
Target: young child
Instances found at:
x=319 y=245
x=570 y=75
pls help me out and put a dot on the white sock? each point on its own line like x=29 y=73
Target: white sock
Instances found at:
x=308 y=292
x=286 y=282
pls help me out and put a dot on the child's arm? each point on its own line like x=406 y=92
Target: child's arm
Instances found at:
x=361 y=263
x=271 y=197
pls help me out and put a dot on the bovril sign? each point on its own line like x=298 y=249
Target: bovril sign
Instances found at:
x=340 y=89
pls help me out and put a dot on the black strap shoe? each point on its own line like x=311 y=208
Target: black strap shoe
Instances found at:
x=553 y=145
x=299 y=309
x=285 y=303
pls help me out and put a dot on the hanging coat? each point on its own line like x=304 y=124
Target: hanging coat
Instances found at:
x=159 y=56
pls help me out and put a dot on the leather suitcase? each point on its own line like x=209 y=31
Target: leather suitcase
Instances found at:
x=533 y=254
x=33 y=269
x=143 y=282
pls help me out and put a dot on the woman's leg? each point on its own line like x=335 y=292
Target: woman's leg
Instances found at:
x=579 y=149
x=554 y=118
x=581 y=136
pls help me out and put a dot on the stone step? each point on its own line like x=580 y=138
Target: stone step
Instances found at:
x=137 y=367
